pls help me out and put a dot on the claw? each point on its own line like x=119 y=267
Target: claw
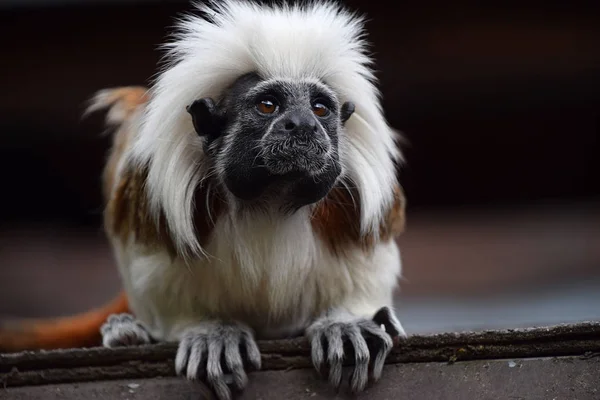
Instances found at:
x=203 y=349
x=383 y=348
x=335 y=354
x=214 y=372
x=233 y=360
x=198 y=352
x=366 y=337
x=182 y=356
x=317 y=354
x=252 y=351
x=360 y=376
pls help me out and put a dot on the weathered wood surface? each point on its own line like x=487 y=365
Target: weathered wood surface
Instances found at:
x=420 y=360
x=532 y=379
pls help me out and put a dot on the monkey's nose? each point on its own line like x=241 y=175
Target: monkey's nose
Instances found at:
x=299 y=123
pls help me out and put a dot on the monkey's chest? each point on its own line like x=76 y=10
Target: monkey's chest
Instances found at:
x=275 y=302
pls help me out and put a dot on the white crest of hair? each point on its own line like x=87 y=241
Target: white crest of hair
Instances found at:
x=316 y=40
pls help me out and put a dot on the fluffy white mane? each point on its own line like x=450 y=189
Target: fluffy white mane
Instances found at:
x=315 y=40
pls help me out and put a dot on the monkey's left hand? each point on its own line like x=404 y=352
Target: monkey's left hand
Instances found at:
x=367 y=338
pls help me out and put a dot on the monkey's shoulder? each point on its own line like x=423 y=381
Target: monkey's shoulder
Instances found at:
x=130 y=215
x=337 y=220
x=128 y=212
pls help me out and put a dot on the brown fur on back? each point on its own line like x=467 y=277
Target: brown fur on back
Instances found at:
x=122 y=103
x=128 y=212
x=127 y=209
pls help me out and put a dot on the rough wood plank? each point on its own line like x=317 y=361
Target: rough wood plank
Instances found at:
x=80 y=365
x=531 y=379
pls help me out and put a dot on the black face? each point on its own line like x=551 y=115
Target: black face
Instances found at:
x=274 y=139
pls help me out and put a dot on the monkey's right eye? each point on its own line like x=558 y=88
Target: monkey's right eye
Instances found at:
x=266 y=106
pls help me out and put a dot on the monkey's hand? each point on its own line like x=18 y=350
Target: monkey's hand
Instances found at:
x=369 y=340
x=204 y=346
x=124 y=330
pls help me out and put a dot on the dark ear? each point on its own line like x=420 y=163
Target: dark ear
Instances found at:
x=347 y=111
x=206 y=117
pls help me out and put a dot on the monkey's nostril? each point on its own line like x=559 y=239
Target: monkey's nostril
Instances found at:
x=289 y=126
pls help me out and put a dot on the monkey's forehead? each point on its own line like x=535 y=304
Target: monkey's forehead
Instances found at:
x=292 y=86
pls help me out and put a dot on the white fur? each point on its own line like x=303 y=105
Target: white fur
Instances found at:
x=315 y=41
x=275 y=276
x=271 y=272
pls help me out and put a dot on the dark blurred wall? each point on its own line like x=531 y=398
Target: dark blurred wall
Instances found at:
x=500 y=105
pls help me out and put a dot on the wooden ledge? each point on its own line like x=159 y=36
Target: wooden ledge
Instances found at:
x=98 y=364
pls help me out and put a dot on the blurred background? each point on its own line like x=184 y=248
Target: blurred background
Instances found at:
x=500 y=107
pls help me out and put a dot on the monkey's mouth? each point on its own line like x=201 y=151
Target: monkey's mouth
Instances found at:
x=283 y=170
x=292 y=156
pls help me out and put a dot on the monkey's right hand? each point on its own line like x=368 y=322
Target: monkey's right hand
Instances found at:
x=124 y=330
x=202 y=348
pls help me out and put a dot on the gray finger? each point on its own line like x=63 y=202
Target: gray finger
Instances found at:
x=126 y=318
x=113 y=318
x=252 y=351
x=214 y=372
x=335 y=354
x=233 y=360
x=105 y=328
x=196 y=358
x=181 y=359
x=382 y=347
x=317 y=354
x=360 y=375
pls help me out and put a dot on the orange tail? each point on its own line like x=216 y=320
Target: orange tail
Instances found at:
x=82 y=330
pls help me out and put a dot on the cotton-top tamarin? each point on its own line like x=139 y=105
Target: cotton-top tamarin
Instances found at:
x=251 y=193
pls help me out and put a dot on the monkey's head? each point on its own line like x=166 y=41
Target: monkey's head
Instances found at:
x=274 y=140
x=273 y=105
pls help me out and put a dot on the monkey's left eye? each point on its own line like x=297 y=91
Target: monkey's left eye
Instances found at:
x=320 y=110
x=266 y=106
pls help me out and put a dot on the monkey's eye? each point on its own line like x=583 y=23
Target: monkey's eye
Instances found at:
x=320 y=110
x=266 y=106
